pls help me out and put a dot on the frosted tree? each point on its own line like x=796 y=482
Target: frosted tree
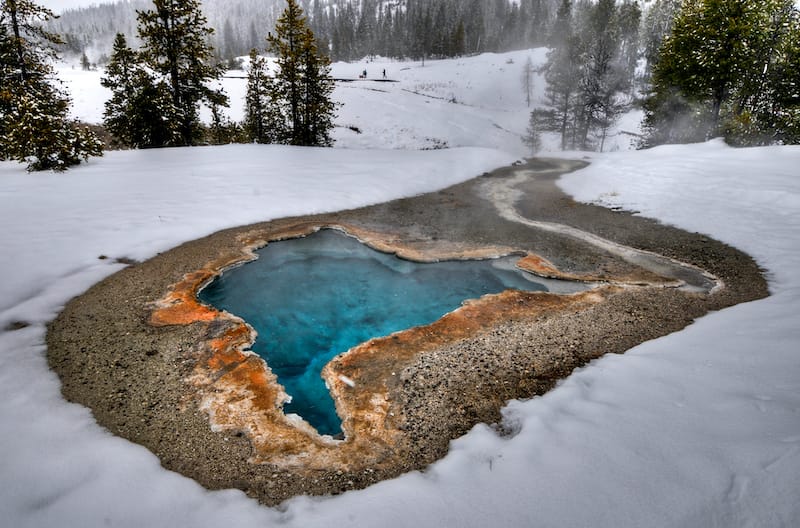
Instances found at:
x=719 y=73
x=533 y=135
x=563 y=74
x=527 y=80
x=263 y=122
x=655 y=27
x=175 y=46
x=34 y=124
x=135 y=113
x=302 y=87
x=605 y=74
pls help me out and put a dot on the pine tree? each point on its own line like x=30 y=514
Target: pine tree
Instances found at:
x=718 y=72
x=536 y=124
x=657 y=25
x=781 y=109
x=302 y=87
x=221 y=131
x=628 y=22
x=263 y=121
x=320 y=110
x=766 y=106
x=175 y=46
x=34 y=123
x=605 y=75
x=527 y=80
x=458 y=40
x=135 y=113
x=563 y=74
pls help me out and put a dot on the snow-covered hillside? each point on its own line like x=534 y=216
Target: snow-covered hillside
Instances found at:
x=466 y=102
x=697 y=429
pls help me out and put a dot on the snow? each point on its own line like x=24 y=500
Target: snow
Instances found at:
x=699 y=428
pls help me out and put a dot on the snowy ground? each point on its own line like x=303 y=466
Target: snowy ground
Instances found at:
x=697 y=429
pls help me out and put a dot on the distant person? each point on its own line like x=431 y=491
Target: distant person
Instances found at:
x=384 y=73
x=365 y=74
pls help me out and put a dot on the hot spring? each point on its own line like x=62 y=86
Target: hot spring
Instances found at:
x=312 y=298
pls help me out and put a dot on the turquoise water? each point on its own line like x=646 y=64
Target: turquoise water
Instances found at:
x=312 y=298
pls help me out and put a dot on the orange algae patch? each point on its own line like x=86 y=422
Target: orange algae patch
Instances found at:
x=180 y=305
x=538 y=265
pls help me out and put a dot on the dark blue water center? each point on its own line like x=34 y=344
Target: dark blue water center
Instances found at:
x=312 y=298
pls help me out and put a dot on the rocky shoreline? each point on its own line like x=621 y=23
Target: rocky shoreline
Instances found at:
x=159 y=369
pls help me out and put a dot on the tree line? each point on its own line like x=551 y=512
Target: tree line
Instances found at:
x=420 y=29
x=727 y=68
x=698 y=68
x=590 y=72
x=238 y=26
x=707 y=68
x=157 y=89
x=35 y=127
x=348 y=29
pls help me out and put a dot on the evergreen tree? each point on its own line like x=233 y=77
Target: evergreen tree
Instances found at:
x=766 y=106
x=527 y=79
x=718 y=72
x=318 y=87
x=628 y=22
x=230 y=45
x=135 y=113
x=262 y=124
x=604 y=76
x=302 y=87
x=563 y=74
x=458 y=40
x=656 y=26
x=222 y=130
x=175 y=46
x=537 y=122
x=34 y=123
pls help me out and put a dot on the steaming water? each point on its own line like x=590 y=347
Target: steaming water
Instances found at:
x=312 y=298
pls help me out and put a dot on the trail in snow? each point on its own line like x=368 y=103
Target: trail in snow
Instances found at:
x=504 y=194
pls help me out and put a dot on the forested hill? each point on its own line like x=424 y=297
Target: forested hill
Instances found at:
x=352 y=29
x=239 y=25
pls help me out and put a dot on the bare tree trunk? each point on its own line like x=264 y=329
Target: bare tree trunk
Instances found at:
x=23 y=71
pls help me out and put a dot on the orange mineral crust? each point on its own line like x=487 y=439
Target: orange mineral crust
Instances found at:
x=180 y=305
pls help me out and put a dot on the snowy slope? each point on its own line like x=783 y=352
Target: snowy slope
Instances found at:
x=466 y=102
x=697 y=429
